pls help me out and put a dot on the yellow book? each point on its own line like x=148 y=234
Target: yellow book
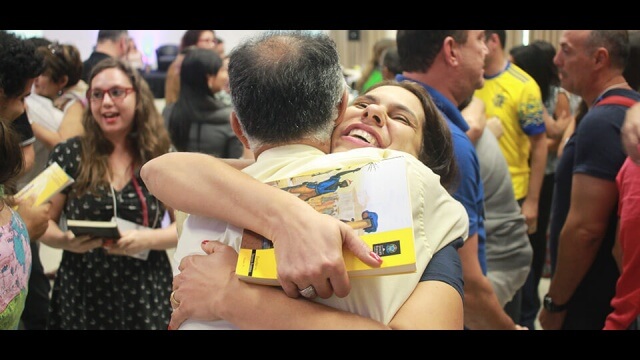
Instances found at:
x=373 y=199
x=49 y=182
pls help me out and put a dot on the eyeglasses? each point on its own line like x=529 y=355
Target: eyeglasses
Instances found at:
x=116 y=93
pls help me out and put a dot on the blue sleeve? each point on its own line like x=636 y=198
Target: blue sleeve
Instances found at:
x=445 y=266
x=470 y=191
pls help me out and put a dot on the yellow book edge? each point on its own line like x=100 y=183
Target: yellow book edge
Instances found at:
x=45 y=185
x=395 y=247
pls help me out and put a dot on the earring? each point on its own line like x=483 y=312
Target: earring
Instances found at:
x=60 y=92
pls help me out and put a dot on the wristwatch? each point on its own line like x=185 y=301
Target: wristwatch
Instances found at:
x=550 y=306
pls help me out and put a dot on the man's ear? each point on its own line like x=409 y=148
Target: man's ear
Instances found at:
x=342 y=107
x=237 y=129
x=64 y=81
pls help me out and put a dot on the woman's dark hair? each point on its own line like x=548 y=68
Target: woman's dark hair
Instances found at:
x=436 y=150
x=62 y=60
x=196 y=100
x=19 y=63
x=536 y=59
x=391 y=60
x=191 y=37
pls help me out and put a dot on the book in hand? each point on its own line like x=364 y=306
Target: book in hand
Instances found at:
x=49 y=182
x=99 y=229
x=373 y=199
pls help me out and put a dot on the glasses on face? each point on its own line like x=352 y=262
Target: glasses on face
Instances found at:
x=116 y=93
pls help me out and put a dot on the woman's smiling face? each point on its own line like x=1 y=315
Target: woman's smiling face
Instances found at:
x=387 y=117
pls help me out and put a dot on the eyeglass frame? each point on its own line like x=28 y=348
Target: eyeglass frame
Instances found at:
x=127 y=91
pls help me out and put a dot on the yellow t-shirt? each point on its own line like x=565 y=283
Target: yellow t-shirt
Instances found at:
x=514 y=97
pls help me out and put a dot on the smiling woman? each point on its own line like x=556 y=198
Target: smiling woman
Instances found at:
x=123 y=130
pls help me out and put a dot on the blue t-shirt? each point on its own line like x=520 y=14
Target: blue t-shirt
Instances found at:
x=470 y=190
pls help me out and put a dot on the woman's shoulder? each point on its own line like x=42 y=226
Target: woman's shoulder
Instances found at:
x=68 y=148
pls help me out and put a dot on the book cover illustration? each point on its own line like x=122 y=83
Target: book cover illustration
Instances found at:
x=49 y=182
x=373 y=199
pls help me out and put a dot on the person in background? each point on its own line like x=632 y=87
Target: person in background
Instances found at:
x=61 y=76
x=22 y=125
x=390 y=63
x=199 y=121
x=590 y=63
x=101 y=286
x=220 y=47
x=372 y=72
x=135 y=57
x=19 y=66
x=428 y=58
x=536 y=59
x=111 y=43
x=630 y=133
x=508 y=250
x=626 y=301
x=513 y=96
x=36 y=307
x=36 y=217
x=205 y=39
x=56 y=85
x=631 y=72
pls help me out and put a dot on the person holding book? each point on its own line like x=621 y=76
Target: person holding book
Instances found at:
x=19 y=67
x=59 y=83
x=99 y=286
x=381 y=301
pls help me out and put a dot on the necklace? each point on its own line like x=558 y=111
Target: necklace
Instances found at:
x=614 y=86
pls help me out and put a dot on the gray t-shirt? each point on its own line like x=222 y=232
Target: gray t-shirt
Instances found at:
x=508 y=250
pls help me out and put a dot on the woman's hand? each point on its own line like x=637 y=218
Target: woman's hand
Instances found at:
x=80 y=244
x=131 y=242
x=36 y=218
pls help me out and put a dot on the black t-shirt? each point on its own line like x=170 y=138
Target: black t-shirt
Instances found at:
x=22 y=126
x=88 y=64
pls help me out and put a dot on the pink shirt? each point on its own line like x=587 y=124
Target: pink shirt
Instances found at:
x=15 y=267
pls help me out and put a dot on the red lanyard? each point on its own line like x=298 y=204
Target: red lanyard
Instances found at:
x=143 y=200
